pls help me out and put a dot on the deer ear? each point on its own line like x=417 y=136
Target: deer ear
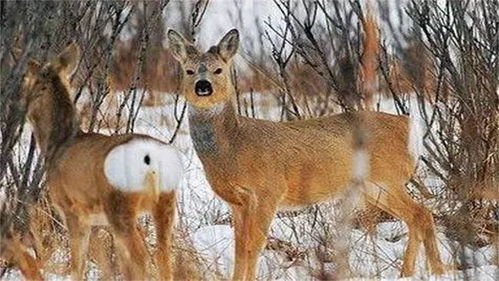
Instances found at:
x=67 y=60
x=33 y=67
x=178 y=45
x=227 y=47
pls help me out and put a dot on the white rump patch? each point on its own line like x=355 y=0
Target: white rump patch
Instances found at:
x=417 y=128
x=127 y=165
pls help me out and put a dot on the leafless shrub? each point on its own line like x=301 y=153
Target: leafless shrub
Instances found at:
x=40 y=29
x=462 y=41
x=30 y=29
x=444 y=52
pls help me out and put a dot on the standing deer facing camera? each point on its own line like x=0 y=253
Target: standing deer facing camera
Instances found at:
x=259 y=166
x=94 y=179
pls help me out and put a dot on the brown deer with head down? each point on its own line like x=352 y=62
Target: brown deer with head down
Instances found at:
x=259 y=166
x=98 y=179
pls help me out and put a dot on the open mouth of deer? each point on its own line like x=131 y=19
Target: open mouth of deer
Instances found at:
x=203 y=88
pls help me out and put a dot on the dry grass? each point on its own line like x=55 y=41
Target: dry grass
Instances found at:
x=111 y=70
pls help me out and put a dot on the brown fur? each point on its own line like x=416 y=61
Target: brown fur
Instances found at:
x=16 y=253
x=260 y=166
x=75 y=176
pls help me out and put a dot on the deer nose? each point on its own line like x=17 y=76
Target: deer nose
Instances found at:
x=203 y=88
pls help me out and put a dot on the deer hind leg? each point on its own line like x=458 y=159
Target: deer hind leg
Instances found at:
x=122 y=216
x=425 y=227
x=430 y=242
x=398 y=203
x=164 y=216
x=414 y=240
x=79 y=232
x=101 y=251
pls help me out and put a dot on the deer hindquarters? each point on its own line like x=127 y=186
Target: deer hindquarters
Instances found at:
x=143 y=163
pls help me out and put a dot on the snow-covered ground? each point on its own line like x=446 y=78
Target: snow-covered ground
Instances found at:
x=204 y=214
x=205 y=218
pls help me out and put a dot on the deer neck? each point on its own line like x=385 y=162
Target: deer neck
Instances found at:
x=213 y=129
x=54 y=121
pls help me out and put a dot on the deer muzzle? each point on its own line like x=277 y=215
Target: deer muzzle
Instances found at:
x=203 y=88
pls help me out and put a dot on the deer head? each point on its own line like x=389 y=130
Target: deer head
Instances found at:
x=45 y=97
x=41 y=80
x=206 y=79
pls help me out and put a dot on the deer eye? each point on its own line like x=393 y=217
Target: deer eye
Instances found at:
x=189 y=72
x=218 y=71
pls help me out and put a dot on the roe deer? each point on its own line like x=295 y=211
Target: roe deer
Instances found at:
x=259 y=166
x=94 y=178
